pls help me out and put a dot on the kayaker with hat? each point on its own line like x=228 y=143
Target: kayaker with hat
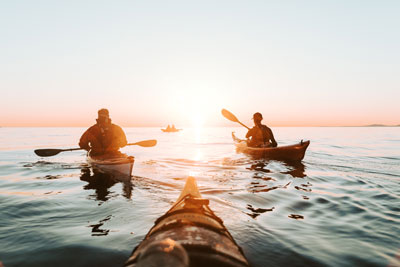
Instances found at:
x=260 y=135
x=104 y=137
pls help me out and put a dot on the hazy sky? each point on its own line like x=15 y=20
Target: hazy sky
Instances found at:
x=157 y=62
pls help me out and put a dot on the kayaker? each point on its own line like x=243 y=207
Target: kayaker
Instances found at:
x=104 y=137
x=260 y=135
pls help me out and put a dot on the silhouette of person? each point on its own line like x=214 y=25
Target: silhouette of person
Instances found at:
x=104 y=137
x=260 y=135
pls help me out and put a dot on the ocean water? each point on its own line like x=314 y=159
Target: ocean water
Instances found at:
x=339 y=207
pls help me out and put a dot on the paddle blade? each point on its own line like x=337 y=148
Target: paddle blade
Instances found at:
x=229 y=115
x=145 y=143
x=48 y=152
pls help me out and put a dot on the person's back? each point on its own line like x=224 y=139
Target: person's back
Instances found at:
x=260 y=135
x=104 y=137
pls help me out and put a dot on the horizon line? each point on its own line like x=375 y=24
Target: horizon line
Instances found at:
x=162 y=127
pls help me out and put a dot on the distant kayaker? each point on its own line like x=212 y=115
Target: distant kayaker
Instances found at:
x=104 y=137
x=260 y=135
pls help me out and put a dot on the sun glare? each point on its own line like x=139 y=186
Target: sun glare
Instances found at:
x=198 y=120
x=193 y=105
x=198 y=107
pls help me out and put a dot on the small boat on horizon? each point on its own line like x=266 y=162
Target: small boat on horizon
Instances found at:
x=170 y=129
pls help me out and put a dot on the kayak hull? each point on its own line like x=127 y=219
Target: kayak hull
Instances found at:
x=293 y=152
x=120 y=165
x=192 y=225
x=170 y=131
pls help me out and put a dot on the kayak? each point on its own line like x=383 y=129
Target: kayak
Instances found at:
x=171 y=130
x=294 y=152
x=119 y=164
x=189 y=234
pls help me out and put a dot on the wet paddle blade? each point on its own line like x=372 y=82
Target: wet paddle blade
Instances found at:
x=48 y=152
x=229 y=115
x=145 y=143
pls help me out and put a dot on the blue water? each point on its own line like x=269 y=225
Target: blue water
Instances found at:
x=339 y=207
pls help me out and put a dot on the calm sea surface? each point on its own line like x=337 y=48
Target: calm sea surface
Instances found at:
x=339 y=207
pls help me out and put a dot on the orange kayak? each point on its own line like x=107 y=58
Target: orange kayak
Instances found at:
x=294 y=152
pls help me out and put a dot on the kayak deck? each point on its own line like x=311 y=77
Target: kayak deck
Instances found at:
x=190 y=223
x=293 y=152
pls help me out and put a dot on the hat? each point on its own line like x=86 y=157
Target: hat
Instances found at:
x=103 y=113
x=257 y=115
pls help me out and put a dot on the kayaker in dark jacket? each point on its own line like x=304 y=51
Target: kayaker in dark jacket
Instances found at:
x=104 y=137
x=260 y=135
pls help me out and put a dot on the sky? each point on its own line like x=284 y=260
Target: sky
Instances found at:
x=153 y=63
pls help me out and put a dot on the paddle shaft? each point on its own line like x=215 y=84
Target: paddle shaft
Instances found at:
x=71 y=149
x=243 y=125
x=48 y=152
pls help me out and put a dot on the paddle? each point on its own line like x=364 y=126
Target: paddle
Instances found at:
x=48 y=152
x=232 y=117
x=145 y=143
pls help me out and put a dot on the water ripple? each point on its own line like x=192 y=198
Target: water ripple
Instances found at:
x=338 y=207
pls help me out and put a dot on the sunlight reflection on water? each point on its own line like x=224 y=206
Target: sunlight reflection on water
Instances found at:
x=282 y=214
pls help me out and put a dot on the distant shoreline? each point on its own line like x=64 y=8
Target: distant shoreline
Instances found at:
x=354 y=126
x=380 y=125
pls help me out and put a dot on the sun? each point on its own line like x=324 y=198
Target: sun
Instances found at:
x=196 y=105
x=198 y=120
x=194 y=110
